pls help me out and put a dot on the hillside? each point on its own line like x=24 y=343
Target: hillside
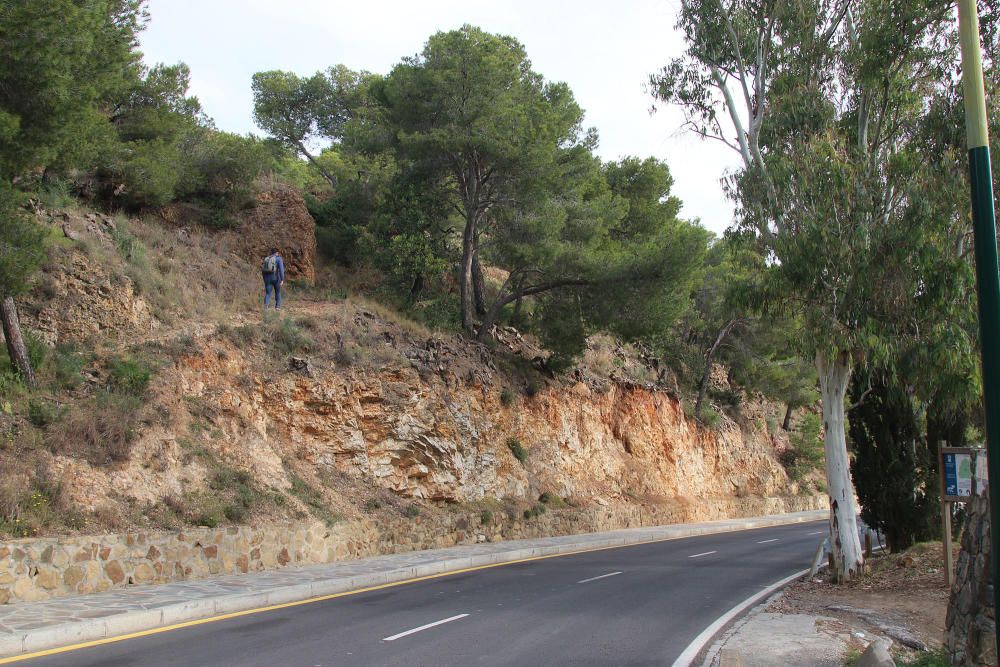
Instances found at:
x=171 y=402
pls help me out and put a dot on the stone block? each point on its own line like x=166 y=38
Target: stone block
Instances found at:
x=153 y=553
x=115 y=572
x=47 y=578
x=143 y=573
x=73 y=575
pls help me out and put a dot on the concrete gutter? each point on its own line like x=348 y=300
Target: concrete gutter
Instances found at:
x=38 y=626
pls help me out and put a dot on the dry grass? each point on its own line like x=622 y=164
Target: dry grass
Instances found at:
x=100 y=429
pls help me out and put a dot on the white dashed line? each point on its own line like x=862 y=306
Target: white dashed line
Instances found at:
x=610 y=574
x=423 y=627
x=817 y=532
x=766 y=541
x=707 y=553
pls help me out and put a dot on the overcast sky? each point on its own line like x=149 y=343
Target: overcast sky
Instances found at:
x=604 y=49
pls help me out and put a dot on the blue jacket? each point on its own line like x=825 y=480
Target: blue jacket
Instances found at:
x=280 y=274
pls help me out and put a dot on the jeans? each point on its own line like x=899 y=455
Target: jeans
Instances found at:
x=272 y=284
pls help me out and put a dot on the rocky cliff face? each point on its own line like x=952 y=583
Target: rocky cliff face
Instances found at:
x=436 y=435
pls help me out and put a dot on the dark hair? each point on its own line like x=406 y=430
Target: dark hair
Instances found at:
x=274 y=251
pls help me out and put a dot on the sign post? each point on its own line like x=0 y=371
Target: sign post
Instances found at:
x=963 y=474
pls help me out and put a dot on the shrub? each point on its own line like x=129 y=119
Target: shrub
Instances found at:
x=182 y=346
x=536 y=510
x=38 y=351
x=240 y=336
x=517 y=449
x=129 y=375
x=412 y=511
x=286 y=336
x=312 y=499
x=42 y=413
x=56 y=194
x=486 y=517
x=531 y=388
x=101 y=428
x=67 y=365
x=507 y=397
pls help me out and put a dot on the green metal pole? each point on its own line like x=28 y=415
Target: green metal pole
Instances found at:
x=987 y=275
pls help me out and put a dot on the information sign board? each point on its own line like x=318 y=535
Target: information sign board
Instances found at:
x=963 y=468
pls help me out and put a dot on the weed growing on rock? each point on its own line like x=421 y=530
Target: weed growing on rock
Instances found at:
x=241 y=336
x=517 y=449
x=552 y=500
x=486 y=517
x=412 y=511
x=507 y=397
x=130 y=375
x=312 y=499
x=536 y=510
x=286 y=336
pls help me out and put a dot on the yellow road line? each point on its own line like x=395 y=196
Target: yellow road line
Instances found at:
x=321 y=598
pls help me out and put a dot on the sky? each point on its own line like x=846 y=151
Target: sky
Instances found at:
x=604 y=49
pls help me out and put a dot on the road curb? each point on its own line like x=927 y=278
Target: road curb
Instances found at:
x=131 y=621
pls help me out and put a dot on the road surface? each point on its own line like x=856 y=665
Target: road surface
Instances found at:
x=636 y=605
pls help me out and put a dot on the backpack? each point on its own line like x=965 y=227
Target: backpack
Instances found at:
x=269 y=265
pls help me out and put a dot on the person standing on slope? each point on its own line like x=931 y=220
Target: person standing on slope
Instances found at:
x=272 y=269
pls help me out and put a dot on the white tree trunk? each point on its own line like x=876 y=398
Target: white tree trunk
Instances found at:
x=848 y=558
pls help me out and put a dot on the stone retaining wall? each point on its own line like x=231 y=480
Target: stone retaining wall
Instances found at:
x=970 y=624
x=36 y=569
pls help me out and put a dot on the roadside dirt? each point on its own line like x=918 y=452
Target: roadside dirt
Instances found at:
x=902 y=597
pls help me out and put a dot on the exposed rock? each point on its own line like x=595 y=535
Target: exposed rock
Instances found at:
x=300 y=365
x=280 y=219
x=876 y=655
x=78 y=299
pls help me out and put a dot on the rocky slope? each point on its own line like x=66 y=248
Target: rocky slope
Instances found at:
x=340 y=409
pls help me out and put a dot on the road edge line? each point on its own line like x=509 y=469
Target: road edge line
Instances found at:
x=698 y=643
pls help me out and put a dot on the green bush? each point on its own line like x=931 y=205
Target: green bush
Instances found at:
x=412 y=511
x=536 y=510
x=517 y=449
x=67 y=365
x=286 y=336
x=38 y=351
x=56 y=193
x=486 y=517
x=130 y=376
x=42 y=413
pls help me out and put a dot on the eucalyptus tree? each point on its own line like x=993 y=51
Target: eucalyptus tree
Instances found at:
x=820 y=99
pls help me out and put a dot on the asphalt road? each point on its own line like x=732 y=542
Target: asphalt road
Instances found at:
x=637 y=605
